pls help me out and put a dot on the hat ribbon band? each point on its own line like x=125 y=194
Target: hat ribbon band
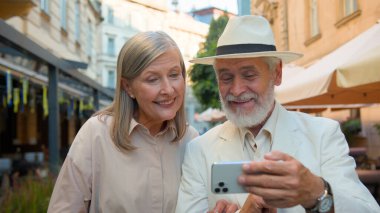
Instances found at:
x=243 y=48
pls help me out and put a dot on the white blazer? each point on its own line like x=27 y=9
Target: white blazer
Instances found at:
x=317 y=143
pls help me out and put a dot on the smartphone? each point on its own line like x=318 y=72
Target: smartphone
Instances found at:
x=224 y=177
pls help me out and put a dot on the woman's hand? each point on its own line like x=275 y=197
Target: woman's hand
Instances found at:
x=223 y=206
x=256 y=204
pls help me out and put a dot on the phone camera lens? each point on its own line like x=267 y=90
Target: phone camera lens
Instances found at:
x=221 y=184
x=217 y=190
x=225 y=189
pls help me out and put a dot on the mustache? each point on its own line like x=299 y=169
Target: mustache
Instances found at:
x=243 y=97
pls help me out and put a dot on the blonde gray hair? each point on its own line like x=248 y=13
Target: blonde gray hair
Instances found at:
x=135 y=56
x=272 y=62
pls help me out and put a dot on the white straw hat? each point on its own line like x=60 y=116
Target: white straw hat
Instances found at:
x=247 y=37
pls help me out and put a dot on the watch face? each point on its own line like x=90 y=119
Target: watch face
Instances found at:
x=325 y=204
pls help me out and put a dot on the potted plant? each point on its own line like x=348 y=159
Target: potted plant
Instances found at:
x=377 y=126
x=351 y=129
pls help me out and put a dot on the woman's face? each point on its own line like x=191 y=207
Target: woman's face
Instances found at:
x=159 y=89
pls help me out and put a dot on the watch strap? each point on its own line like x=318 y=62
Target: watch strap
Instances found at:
x=327 y=191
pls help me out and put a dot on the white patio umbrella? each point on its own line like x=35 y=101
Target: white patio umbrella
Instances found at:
x=210 y=115
x=348 y=75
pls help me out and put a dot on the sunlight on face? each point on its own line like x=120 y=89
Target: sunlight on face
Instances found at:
x=246 y=89
x=256 y=115
x=159 y=90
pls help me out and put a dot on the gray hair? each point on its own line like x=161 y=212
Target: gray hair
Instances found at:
x=134 y=57
x=272 y=62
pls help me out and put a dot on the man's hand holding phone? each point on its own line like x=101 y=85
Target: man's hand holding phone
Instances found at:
x=285 y=181
x=224 y=180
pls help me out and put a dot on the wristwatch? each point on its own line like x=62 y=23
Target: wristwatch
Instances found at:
x=324 y=202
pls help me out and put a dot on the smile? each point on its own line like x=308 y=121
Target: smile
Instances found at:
x=165 y=102
x=241 y=101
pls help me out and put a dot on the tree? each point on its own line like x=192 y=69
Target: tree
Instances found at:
x=204 y=86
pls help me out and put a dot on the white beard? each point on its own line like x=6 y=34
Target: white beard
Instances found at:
x=256 y=116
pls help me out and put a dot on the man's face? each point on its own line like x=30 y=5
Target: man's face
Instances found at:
x=246 y=89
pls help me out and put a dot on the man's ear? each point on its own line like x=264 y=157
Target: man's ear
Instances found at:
x=126 y=86
x=278 y=74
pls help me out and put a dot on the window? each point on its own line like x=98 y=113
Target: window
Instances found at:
x=63 y=14
x=111 y=46
x=111 y=79
x=89 y=38
x=312 y=24
x=77 y=20
x=314 y=28
x=349 y=7
x=348 y=10
x=44 y=5
x=110 y=16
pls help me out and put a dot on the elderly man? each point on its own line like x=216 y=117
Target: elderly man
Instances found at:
x=302 y=161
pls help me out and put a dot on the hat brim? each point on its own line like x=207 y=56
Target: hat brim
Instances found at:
x=286 y=57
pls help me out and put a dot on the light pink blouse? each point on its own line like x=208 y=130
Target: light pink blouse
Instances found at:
x=97 y=177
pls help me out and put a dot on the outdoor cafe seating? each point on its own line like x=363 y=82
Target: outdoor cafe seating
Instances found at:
x=368 y=170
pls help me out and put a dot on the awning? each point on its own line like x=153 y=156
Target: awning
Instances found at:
x=38 y=78
x=348 y=75
x=11 y=8
x=23 y=43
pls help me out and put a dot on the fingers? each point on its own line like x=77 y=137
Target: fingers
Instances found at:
x=231 y=208
x=278 y=198
x=280 y=180
x=256 y=204
x=277 y=155
x=220 y=206
x=267 y=181
x=223 y=206
x=276 y=163
x=266 y=167
x=269 y=210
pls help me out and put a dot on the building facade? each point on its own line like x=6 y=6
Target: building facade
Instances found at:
x=123 y=19
x=46 y=51
x=65 y=28
x=206 y=15
x=316 y=28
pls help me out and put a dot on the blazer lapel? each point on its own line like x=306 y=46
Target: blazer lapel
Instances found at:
x=229 y=146
x=285 y=137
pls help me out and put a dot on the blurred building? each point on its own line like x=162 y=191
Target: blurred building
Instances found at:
x=123 y=19
x=47 y=73
x=316 y=29
x=206 y=15
x=244 y=7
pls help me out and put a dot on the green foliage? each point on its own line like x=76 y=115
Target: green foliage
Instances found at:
x=204 y=86
x=377 y=126
x=32 y=196
x=351 y=128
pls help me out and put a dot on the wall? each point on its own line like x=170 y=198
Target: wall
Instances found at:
x=290 y=22
x=45 y=29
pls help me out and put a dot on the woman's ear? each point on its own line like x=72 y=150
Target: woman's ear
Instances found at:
x=126 y=86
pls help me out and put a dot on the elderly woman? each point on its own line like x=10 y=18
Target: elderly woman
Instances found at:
x=127 y=157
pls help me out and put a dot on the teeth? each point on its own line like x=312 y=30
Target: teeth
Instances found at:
x=242 y=101
x=165 y=102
